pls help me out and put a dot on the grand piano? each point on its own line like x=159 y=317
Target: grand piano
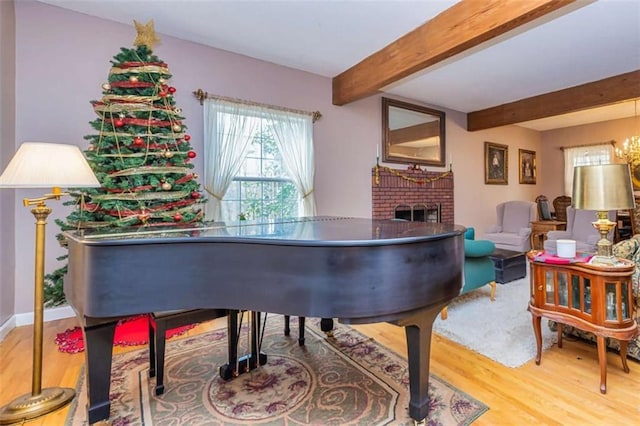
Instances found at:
x=356 y=270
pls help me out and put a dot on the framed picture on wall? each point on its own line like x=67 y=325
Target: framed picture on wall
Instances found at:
x=527 y=166
x=496 y=164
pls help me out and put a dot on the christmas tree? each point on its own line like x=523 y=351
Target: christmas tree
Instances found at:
x=140 y=153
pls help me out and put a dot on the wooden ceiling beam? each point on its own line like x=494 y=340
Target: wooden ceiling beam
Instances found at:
x=595 y=94
x=463 y=26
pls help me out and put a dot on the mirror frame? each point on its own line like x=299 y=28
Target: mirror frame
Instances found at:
x=386 y=140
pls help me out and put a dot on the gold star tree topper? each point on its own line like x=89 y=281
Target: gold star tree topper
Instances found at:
x=146 y=35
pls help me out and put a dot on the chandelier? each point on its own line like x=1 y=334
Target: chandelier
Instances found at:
x=630 y=151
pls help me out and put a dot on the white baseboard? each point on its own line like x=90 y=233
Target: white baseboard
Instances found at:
x=7 y=326
x=18 y=320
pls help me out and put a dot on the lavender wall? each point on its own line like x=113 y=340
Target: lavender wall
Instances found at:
x=7 y=136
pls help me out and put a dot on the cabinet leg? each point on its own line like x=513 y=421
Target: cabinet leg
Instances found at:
x=538 y=333
x=623 y=355
x=602 y=358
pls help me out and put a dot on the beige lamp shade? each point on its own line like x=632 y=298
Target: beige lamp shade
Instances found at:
x=602 y=187
x=48 y=165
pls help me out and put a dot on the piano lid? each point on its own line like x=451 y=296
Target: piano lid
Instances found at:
x=318 y=230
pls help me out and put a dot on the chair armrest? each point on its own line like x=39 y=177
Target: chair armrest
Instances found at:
x=524 y=232
x=626 y=249
x=493 y=229
x=470 y=234
x=558 y=235
x=478 y=248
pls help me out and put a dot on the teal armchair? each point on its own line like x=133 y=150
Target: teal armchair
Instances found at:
x=479 y=269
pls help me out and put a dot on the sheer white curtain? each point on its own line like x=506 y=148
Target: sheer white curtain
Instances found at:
x=228 y=129
x=584 y=156
x=294 y=138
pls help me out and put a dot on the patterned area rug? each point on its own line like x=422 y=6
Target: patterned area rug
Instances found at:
x=345 y=380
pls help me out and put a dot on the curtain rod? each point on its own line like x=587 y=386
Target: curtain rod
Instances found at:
x=202 y=95
x=612 y=142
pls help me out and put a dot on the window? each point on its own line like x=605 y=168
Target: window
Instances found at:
x=584 y=156
x=261 y=190
x=259 y=162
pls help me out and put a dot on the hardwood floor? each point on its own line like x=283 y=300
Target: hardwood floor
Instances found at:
x=562 y=390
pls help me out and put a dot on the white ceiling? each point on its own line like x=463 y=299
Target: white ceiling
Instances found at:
x=580 y=43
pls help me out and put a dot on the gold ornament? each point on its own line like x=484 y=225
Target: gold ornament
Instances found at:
x=178 y=110
x=162 y=80
x=168 y=154
x=146 y=34
x=106 y=86
x=177 y=127
x=166 y=186
x=133 y=78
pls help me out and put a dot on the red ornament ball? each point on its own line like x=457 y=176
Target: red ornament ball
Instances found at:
x=172 y=90
x=118 y=123
x=191 y=154
x=138 y=141
x=195 y=195
x=162 y=94
x=177 y=217
x=187 y=137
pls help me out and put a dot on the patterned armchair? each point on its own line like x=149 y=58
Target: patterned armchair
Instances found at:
x=627 y=249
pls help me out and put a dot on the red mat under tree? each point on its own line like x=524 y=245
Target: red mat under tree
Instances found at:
x=132 y=331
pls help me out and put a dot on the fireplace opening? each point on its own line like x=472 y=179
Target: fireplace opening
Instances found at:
x=419 y=212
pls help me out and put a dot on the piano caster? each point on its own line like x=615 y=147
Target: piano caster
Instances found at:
x=244 y=364
x=422 y=422
x=159 y=390
x=326 y=325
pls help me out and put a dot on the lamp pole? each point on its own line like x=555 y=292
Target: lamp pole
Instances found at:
x=40 y=401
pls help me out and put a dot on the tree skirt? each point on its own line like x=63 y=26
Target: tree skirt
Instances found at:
x=132 y=331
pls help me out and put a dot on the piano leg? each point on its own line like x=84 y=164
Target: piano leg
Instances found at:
x=98 y=357
x=418 y=331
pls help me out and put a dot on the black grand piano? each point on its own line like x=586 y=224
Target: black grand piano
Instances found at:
x=355 y=270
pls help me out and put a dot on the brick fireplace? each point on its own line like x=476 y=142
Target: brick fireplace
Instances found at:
x=424 y=200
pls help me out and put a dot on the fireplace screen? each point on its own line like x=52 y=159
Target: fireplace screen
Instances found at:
x=419 y=212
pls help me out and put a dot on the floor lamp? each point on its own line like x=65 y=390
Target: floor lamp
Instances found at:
x=42 y=165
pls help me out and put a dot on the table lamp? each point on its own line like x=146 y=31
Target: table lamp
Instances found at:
x=42 y=165
x=602 y=188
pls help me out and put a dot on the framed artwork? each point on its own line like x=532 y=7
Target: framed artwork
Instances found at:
x=496 y=164
x=527 y=166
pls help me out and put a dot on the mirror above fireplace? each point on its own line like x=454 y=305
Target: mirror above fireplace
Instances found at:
x=412 y=134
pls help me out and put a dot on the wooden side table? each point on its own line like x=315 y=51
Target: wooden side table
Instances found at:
x=539 y=231
x=593 y=298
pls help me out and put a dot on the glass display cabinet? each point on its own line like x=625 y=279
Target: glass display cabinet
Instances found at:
x=593 y=298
